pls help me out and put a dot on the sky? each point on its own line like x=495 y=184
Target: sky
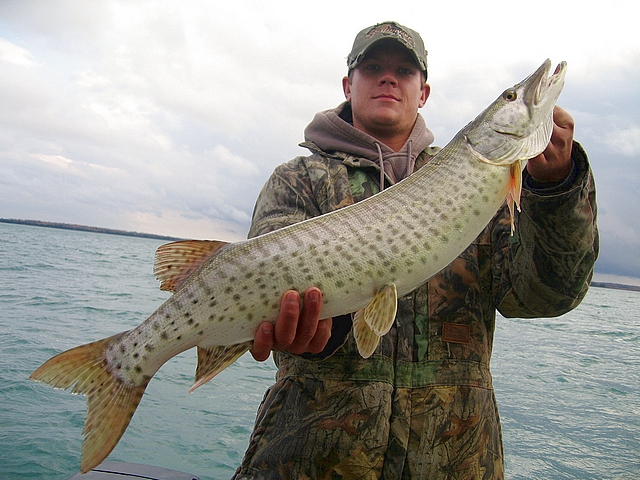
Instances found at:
x=168 y=117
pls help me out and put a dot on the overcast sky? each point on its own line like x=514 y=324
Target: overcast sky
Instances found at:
x=167 y=117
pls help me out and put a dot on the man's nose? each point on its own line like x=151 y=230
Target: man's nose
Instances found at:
x=387 y=77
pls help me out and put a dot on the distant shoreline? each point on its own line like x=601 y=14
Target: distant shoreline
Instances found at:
x=109 y=231
x=85 y=228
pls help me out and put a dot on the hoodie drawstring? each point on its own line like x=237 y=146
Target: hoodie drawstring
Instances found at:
x=381 y=160
x=408 y=167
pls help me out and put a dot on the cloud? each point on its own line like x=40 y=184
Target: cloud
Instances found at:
x=11 y=53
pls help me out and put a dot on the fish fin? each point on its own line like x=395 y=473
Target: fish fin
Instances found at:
x=211 y=361
x=381 y=311
x=111 y=401
x=513 y=198
x=176 y=261
x=366 y=339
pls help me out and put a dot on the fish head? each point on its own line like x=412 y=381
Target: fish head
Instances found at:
x=518 y=124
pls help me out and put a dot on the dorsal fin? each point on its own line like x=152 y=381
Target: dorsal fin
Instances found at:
x=176 y=261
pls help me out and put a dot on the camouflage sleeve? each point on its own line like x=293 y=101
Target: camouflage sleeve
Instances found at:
x=303 y=188
x=285 y=199
x=545 y=268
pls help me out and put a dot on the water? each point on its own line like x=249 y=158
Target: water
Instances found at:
x=568 y=388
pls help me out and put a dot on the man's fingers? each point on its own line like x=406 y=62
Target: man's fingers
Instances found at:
x=320 y=339
x=262 y=342
x=287 y=322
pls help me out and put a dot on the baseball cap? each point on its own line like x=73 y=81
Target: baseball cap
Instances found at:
x=410 y=39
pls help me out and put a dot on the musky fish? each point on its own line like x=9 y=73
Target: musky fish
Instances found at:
x=361 y=257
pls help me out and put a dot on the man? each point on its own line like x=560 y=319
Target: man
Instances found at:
x=422 y=406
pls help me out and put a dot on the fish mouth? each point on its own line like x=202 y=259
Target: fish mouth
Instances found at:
x=540 y=88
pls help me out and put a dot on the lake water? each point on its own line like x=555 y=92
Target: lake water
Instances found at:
x=568 y=388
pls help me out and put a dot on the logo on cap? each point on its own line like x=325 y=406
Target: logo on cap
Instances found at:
x=389 y=29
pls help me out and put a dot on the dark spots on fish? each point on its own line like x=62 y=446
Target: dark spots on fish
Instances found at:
x=173 y=322
x=179 y=337
x=393 y=269
x=190 y=321
x=135 y=344
x=339 y=248
x=476 y=212
x=201 y=333
x=329 y=274
x=379 y=238
x=138 y=369
x=424 y=260
x=444 y=239
x=213 y=304
x=194 y=301
x=248 y=275
x=228 y=290
x=339 y=283
x=485 y=198
x=262 y=286
x=119 y=366
x=236 y=297
x=394 y=249
x=275 y=305
x=164 y=336
x=232 y=279
x=149 y=347
x=380 y=273
x=242 y=308
x=136 y=355
x=335 y=263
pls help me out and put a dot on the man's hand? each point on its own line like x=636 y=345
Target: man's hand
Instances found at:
x=296 y=331
x=554 y=164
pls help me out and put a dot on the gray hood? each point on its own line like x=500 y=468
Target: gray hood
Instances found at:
x=332 y=131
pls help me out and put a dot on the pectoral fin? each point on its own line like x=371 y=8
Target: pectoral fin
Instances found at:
x=375 y=320
x=211 y=361
x=513 y=197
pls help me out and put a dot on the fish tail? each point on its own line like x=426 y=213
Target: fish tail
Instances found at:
x=111 y=401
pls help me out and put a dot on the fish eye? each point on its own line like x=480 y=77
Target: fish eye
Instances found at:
x=510 y=95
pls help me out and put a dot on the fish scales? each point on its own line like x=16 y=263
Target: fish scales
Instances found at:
x=361 y=257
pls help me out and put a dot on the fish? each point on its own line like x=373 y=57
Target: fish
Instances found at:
x=362 y=257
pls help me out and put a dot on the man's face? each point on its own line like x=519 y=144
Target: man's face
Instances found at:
x=385 y=91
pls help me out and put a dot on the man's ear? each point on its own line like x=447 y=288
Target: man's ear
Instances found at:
x=346 y=88
x=426 y=91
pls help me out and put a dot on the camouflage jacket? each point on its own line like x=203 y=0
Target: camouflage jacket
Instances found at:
x=423 y=405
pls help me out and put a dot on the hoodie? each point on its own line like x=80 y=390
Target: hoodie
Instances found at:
x=333 y=131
